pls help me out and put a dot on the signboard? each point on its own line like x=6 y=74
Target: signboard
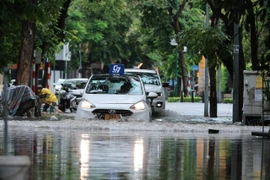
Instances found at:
x=116 y=69
x=194 y=67
x=64 y=54
x=258 y=81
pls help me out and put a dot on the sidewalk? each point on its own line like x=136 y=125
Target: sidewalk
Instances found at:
x=197 y=109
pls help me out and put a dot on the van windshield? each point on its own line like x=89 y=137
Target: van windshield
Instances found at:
x=148 y=78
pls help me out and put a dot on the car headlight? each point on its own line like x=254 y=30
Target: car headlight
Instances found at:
x=138 y=106
x=87 y=105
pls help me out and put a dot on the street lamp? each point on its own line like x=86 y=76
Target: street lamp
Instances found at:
x=80 y=67
x=175 y=44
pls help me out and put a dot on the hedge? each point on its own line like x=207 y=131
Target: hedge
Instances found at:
x=196 y=99
x=186 y=99
x=227 y=100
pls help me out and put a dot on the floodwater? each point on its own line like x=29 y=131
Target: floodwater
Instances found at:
x=123 y=155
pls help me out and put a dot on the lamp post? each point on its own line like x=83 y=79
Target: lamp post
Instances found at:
x=182 y=82
x=80 y=67
x=175 y=44
x=206 y=71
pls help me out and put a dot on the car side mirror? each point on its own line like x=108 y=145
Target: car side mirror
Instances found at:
x=151 y=96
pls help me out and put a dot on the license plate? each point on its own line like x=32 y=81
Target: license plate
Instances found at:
x=111 y=116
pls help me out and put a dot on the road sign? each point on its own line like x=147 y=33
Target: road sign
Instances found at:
x=117 y=69
x=194 y=67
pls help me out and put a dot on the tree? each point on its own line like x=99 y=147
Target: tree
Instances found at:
x=107 y=24
x=197 y=39
x=20 y=20
x=164 y=20
x=28 y=41
x=52 y=33
x=10 y=35
x=239 y=12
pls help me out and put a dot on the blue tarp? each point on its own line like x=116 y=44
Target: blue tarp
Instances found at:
x=17 y=95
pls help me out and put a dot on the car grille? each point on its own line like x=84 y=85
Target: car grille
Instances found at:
x=100 y=113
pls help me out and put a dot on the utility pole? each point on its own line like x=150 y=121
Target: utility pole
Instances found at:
x=80 y=67
x=5 y=103
x=206 y=71
x=236 y=72
x=176 y=75
x=219 y=75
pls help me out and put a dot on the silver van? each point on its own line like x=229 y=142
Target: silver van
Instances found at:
x=152 y=83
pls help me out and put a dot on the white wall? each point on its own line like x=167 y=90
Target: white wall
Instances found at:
x=55 y=75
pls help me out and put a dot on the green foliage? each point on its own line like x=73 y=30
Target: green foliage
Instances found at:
x=197 y=39
x=173 y=99
x=157 y=25
x=189 y=99
x=228 y=100
x=225 y=78
x=186 y=99
x=102 y=29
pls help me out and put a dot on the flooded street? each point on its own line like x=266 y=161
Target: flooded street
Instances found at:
x=162 y=149
x=113 y=154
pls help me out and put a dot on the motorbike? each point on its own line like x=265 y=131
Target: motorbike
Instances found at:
x=66 y=100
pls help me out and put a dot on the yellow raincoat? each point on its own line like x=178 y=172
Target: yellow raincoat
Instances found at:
x=49 y=96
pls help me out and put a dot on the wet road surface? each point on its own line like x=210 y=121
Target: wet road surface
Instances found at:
x=83 y=154
x=166 y=148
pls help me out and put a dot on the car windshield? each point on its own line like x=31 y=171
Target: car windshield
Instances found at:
x=106 y=84
x=148 y=78
x=75 y=84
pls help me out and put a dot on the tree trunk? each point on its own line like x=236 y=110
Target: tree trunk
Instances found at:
x=45 y=63
x=213 y=92
x=176 y=26
x=26 y=54
x=241 y=77
x=62 y=19
x=183 y=71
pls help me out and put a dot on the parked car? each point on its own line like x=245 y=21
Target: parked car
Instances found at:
x=109 y=97
x=76 y=86
x=152 y=83
x=57 y=86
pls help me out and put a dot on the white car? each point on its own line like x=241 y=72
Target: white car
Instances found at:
x=76 y=86
x=152 y=83
x=109 y=97
x=57 y=86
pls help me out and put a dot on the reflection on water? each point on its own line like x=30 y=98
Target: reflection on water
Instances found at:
x=71 y=154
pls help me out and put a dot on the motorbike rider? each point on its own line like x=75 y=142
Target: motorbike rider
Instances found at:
x=48 y=97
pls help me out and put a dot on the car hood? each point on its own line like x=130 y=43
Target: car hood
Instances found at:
x=152 y=88
x=77 y=91
x=112 y=99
